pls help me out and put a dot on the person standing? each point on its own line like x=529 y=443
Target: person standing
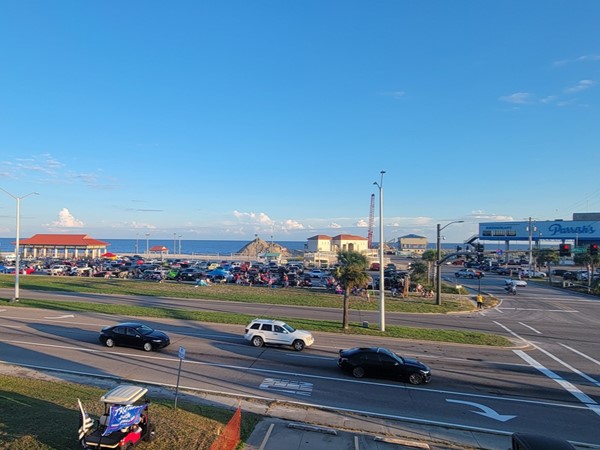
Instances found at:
x=479 y=301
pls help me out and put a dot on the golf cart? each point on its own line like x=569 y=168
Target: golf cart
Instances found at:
x=123 y=425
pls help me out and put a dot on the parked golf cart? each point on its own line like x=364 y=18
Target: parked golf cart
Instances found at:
x=124 y=424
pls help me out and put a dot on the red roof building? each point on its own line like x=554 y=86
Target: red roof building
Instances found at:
x=62 y=246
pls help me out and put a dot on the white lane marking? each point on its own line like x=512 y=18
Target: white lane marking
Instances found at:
x=545 y=310
x=581 y=354
x=570 y=388
x=485 y=410
x=264 y=441
x=531 y=328
x=287 y=386
x=513 y=333
x=174 y=359
x=66 y=316
x=560 y=361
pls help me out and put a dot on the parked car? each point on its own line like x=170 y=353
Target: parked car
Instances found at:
x=266 y=331
x=374 y=266
x=189 y=274
x=468 y=273
x=317 y=273
x=533 y=274
x=382 y=362
x=134 y=334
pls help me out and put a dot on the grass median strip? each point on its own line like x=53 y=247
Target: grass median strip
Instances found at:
x=426 y=334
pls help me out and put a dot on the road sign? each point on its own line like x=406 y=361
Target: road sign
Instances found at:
x=181 y=352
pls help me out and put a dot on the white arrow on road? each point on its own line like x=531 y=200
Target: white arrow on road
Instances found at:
x=486 y=411
x=61 y=317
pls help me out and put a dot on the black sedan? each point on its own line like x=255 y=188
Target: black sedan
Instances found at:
x=133 y=334
x=381 y=362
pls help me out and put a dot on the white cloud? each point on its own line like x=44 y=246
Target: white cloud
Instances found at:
x=518 y=98
x=362 y=223
x=250 y=217
x=582 y=85
x=291 y=224
x=584 y=58
x=66 y=220
x=480 y=215
x=334 y=225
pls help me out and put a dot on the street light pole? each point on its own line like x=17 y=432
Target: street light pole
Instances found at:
x=381 y=269
x=174 y=243
x=17 y=250
x=179 y=245
x=438 y=268
x=147 y=246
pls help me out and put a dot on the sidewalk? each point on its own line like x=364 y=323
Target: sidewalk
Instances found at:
x=310 y=428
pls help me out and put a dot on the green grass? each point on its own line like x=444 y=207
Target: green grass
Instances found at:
x=278 y=296
x=43 y=415
x=246 y=294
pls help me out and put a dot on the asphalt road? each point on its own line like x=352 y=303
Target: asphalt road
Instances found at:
x=548 y=383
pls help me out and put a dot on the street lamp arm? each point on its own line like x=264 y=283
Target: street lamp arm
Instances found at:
x=448 y=224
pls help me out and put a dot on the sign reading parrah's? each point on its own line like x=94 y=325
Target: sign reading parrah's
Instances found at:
x=540 y=230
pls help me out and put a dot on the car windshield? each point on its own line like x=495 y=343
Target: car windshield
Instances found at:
x=144 y=330
x=289 y=328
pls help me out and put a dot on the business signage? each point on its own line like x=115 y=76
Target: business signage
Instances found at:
x=550 y=230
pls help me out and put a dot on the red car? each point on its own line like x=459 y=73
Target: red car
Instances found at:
x=374 y=266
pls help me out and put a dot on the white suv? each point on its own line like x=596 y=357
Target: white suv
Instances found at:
x=265 y=331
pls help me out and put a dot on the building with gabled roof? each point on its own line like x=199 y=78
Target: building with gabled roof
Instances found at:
x=412 y=244
x=323 y=249
x=62 y=246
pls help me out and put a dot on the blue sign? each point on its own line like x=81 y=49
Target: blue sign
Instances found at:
x=122 y=416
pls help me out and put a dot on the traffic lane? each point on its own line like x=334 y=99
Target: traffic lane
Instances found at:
x=236 y=378
x=473 y=376
x=225 y=347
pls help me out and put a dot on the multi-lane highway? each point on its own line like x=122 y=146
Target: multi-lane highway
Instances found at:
x=549 y=382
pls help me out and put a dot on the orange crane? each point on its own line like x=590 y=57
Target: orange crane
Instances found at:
x=371 y=219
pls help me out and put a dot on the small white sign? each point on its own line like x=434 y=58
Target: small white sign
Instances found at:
x=181 y=352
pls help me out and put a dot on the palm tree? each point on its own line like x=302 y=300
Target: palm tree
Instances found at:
x=351 y=273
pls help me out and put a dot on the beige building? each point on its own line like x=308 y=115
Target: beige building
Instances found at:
x=412 y=244
x=322 y=250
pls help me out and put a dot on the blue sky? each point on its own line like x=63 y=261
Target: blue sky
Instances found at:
x=222 y=120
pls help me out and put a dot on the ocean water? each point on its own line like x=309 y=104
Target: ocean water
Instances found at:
x=222 y=247
x=188 y=247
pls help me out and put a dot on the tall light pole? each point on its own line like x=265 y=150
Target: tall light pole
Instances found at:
x=179 y=244
x=137 y=235
x=381 y=271
x=438 y=267
x=174 y=243
x=17 y=250
x=147 y=246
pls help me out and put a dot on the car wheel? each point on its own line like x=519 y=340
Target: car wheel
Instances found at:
x=358 y=372
x=415 y=378
x=298 y=345
x=109 y=343
x=257 y=341
x=471 y=277
x=148 y=346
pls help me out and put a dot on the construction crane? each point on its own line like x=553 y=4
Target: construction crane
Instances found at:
x=371 y=219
